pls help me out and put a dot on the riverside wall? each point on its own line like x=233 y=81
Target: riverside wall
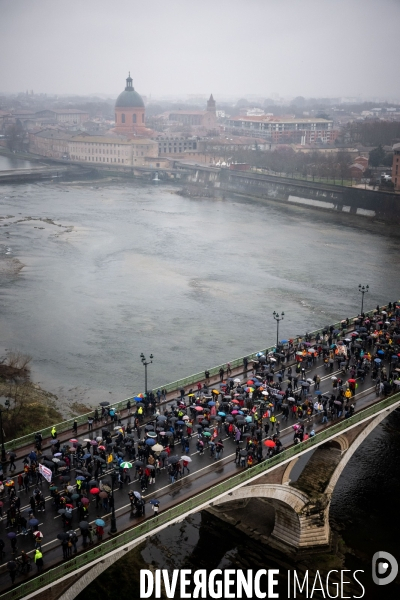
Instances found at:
x=380 y=205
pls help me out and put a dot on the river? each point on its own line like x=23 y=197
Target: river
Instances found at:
x=93 y=274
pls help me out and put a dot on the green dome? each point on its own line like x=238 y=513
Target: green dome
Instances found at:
x=129 y=98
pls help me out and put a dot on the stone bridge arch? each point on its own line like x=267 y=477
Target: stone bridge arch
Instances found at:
x=298 y=524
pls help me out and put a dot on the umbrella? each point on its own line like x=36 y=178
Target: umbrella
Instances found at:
x=151 y=435
x=126 y=465
x=139 y=463
x=269 y=444
x=86 y=456
x=264 y=393
x=207 y=433
x=310 y=381
x=222 y=414
x=186 y=458
x=180 y=422
x=150 y=442
x=243 y=453
x=33 y=522
x=351 y=381
x=85 y=500
x=38 y=534
x=93 y=442
x=249 y=389
x=84 y=525
x=103 y=495
x=305 y=384
x=102 y=447
x=93 y=482
x=11 y=535
x=237 y=380
x=173 y=460
x=105 y=403
x=154 y=501
x=53 y=441
x=377 y=360
x=106 y=488
x=74 y=496
x=150 y=467
x=73 y=441
x=62 y=536
x=149 y=428
x=61 y=511
x=100 y=522
x=80 y=478
x=95 y=491
x=157 y=448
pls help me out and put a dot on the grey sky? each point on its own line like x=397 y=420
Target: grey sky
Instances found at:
x=178 y=47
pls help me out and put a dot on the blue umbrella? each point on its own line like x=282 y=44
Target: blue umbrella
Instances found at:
x=211 y=403
x=395 y=357
x=222 y=414
x=154 y=501
x=257 y=383
x=100 y=522
x=180 y=422
x=33 y=522
x=318 y=393
x=248 y=419
x=150 y=442
x=381 y=352
x=377 y=360
x=284 y=341
x=81 y=478
x=87 y=455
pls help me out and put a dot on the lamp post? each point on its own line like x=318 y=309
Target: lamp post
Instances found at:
x=278 y=318
x=113 y=529
x=363 y=290
x=3 y=450
x=145 y=363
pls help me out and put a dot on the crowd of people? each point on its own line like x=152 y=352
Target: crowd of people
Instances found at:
x=159 y=438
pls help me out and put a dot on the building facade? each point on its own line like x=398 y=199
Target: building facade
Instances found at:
x=197 y=118
x=285 y=129
x=70 y=116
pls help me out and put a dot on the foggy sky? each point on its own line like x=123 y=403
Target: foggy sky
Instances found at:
x=178 y=47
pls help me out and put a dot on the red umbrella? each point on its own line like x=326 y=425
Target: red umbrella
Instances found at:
x=73 y=441
x=269 y=444
x=351 y=380
x=198 y=408
x=102 y=447
x=250 y=382
x=94 y=491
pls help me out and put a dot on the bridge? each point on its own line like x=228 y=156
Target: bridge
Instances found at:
x=301 y=506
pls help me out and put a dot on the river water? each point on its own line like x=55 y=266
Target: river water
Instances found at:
x=93 y=274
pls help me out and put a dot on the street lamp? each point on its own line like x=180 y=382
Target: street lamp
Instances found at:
x=3 y=450
x=145 y=363
x=278 y=318
x=363 y=290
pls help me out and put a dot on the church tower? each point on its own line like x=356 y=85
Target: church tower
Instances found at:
x=211 y=104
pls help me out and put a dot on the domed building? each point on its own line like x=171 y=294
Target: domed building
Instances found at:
x=130 y=112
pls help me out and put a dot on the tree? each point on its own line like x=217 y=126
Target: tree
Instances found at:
x=376 y=156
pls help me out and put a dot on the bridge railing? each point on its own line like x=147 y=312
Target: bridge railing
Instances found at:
x=170 y=387
x=192 y=504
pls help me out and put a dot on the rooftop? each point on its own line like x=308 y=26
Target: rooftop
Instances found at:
x=269 y=119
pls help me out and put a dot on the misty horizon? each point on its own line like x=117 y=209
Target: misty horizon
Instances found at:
x=233 y=49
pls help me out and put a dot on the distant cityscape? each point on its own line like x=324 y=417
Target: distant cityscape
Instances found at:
x=339 y=139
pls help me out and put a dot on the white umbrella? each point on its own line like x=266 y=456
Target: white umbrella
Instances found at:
x=157 y=448
x=186 y=458
x=310 y=380
x=237 y=380
x=264 y=393
x=272 y=359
